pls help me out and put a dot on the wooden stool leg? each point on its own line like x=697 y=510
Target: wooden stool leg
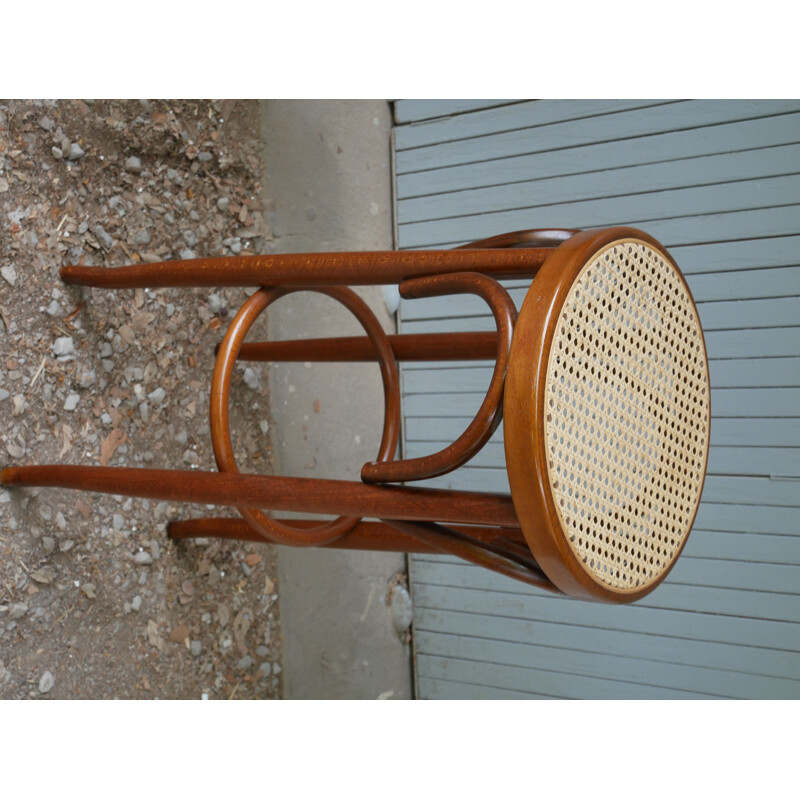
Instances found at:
x=312 y=269
x=308 y=495
x=364 y=536
x=472 y=346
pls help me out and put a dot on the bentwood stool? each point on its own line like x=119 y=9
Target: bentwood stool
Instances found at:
x=601 y=382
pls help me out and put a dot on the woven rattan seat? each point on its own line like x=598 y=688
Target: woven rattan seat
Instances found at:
x=607 y=415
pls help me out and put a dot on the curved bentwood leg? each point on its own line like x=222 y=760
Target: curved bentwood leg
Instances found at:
x=270 y=528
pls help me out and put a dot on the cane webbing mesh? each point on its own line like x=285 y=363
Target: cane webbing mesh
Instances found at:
x=627 y=415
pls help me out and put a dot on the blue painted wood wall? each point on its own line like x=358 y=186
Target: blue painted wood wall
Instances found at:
x=718 y=182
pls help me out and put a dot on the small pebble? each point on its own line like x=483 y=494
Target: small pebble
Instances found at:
x=136 y=603
x=133 y=164
x=245 y=663
x=57 y=152
x=105 y=240
x=250 y=378
x=46 y=682
x=17 y=610
x=157 y=395
x=223 y=203
x=15 y=451
x=9 y=274
x=71 y=403
x=196 y=647
x=190 y=237
x=76 y=152
x=63 y=346
x=143 y=557
x=214 y=303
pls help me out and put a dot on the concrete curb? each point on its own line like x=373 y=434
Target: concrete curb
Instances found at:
x=328 y=181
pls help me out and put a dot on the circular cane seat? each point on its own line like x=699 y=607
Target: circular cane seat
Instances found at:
x=607 y=413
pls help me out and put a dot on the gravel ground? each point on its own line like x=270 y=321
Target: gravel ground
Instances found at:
x=95 y=601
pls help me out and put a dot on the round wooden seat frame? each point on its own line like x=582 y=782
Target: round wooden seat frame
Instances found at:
x=605 y=473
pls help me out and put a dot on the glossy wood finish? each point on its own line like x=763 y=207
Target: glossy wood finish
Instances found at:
x=526 y=457
x=377 y=536
x=485 y=422
x=520 y=538
x=538 y=237
x=505 y=560
x=469 y=346
x=277 y=493
x=313 y=269
x=220 y=394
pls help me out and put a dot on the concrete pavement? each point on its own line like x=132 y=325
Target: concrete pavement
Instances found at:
x=328 y=182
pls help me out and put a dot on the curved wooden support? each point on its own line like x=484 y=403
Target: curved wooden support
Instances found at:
x=271 y=529
x=507 y=561
x=537 y=237
x=490 y=413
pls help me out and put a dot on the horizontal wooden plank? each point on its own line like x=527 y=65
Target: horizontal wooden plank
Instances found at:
x=634 y=671
x=644 y=645
x=753 y=343
x=756 y=520
x=725 y=573
x=505 y=600
x=684 y=216
x=751 y=491
x=438 y=689
x=766 y=461
x=749 y=548
x=718 y=170
x=484 y=169
x=757 y=253
x=483 y=120
x=625 y=125
x=775 y=312
x=743 y=603
x=521 y=679
x=755 y=402
x=406 y=111
x=754 y=372
x=746 y=284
